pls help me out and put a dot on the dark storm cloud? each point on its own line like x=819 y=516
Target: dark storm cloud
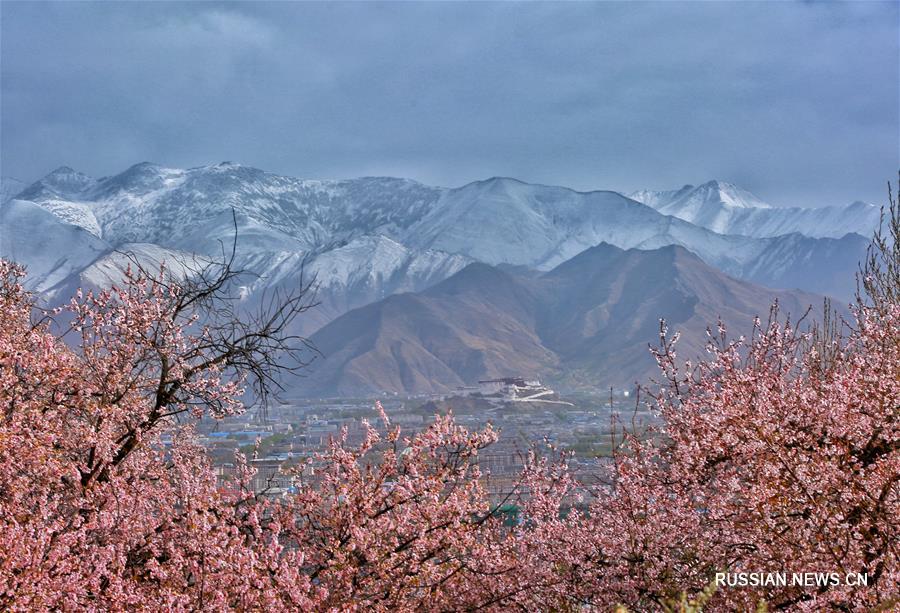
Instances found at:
x=796 y=102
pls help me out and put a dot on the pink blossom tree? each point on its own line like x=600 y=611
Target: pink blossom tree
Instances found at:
x=95 y=511
x=98 y=513
x=780 y=452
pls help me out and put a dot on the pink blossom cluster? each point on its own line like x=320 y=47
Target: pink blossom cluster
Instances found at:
x=769 y=459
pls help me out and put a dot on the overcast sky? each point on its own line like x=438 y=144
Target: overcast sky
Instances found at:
x=796 y=102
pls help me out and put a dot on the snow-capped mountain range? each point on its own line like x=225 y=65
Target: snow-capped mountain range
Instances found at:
x=728 y=209
x=371 y=237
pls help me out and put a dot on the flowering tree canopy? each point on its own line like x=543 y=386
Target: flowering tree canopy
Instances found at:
x=96 y=512
x=780 y=452
x=766 y=462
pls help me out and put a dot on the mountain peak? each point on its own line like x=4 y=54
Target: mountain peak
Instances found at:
x=588 y=261
x=143 y=164
x=680 y=255
x=495 y=182
x=600 y=250
x=480 y=270
x=730 y=195
x=718 y=184
x=224 y=166
x=139 y=178
x=67 y=176
x=476 y=276
x=62 y=170
x=63 y=182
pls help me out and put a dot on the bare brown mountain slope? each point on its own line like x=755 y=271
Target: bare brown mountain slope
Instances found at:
x=588 y=321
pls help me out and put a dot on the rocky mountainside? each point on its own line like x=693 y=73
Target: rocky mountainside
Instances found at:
x=589 y=319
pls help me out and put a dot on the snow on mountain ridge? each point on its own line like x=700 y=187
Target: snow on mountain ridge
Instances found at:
x=51 y=248
x=656 y=198
x=109 y=269
x=76 y=213
x=727 y=209
x=732 y=195
x=505 y=221
x=62 y=184
x=150 y=203
x=378 y=259
x=371 y=235
x=167 y=206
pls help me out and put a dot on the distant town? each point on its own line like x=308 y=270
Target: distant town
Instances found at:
x=281 y=438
